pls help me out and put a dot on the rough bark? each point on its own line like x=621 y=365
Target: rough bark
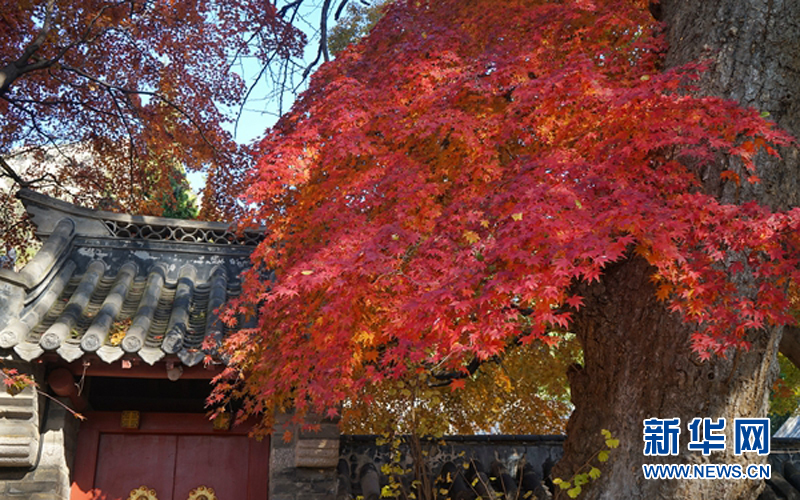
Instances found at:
x=638 y=361
x=638 y=364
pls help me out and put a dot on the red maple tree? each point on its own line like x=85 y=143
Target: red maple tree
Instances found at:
x=473 y=175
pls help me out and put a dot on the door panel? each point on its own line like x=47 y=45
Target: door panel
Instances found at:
x=170 y=453
x=127 y=461
x=219 y=462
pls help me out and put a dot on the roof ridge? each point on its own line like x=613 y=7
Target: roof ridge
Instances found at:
x=46 y=211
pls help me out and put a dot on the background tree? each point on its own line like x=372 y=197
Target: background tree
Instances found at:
x=359 y=19
x=524 y=392
x=113 y=94
x=481 y=173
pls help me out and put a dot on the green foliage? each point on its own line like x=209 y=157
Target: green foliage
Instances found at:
x=183 y=202
x=785 y=396
x=356 y=24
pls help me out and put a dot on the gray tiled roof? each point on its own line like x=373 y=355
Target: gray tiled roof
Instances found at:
x=150 y=290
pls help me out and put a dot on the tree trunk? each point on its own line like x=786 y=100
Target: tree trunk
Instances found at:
x=638 y=362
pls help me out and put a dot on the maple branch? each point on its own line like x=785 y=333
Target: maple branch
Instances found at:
x=39 y=130
x=291 y=5
x=7 y=229
x=323 y=26
x=37 y=42
x=14 y=70
x=9 y=172
x=58 y=102
x=43 y=393
x=131 y=149
x=322 y=49
x=446 y=378
x=20 y=66
x=339 y=10
x=148 y=93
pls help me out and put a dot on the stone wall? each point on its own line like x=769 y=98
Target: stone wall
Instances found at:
x=304 y=468
x=499 y=463
x=37 y=443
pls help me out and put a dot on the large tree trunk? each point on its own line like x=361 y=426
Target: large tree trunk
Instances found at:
x=638 y=362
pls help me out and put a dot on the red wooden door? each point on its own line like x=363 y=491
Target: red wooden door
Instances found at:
x=171 y=454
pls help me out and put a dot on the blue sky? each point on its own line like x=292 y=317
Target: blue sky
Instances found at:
x=261 y=111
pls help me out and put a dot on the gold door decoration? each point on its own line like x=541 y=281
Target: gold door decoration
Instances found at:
x=202 y=493
x=143 y=493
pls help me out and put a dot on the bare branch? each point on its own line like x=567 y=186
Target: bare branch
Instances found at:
x=339 y=10
x=250 y=91
x=131 y=153
x=291 y=5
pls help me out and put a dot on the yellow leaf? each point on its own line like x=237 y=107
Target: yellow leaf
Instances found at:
x=517 y=216
x=471 y=236
x=485 y=223
x=306 y=272
x=574 y=492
